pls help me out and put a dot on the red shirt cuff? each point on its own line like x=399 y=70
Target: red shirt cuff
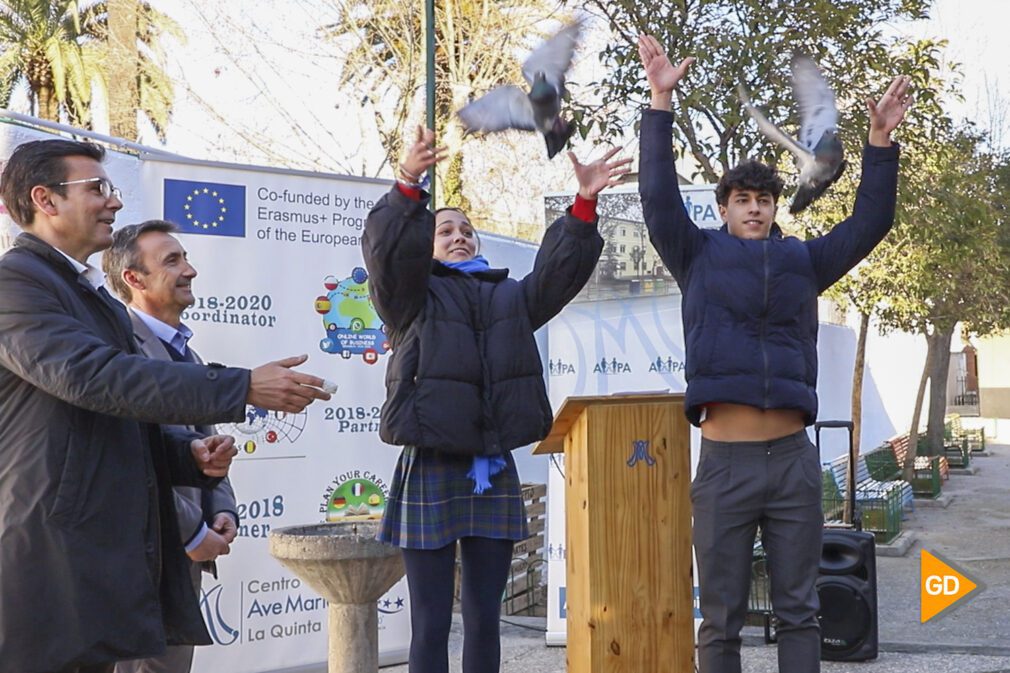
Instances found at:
x=414 y=194
x=584 y=209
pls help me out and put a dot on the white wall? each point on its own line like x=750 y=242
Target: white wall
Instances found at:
x=893 y=366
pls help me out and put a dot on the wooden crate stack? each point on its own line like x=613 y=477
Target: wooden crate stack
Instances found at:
x=525 y=590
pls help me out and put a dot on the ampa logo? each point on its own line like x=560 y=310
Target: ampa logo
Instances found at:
x=611 y=367
x=559 y=367
x=702 y=214
x=666 y=366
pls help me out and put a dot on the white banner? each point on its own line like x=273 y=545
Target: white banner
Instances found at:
x=280 y=273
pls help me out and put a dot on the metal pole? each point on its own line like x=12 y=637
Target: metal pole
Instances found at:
x=429 y=12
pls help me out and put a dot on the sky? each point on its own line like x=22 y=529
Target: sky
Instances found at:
x=978 y=40
x=262 y=67
x=252 y=68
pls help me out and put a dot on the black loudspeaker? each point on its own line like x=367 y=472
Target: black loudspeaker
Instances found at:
x=847 y=589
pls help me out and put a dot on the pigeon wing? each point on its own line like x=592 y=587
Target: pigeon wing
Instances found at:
x=506 y=107
x=815 y=102
x=772 y=132
x=554 y=57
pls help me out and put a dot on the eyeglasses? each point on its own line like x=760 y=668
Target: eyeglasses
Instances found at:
x=105 y=186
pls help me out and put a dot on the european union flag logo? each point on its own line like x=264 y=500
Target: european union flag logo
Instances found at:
x=205 y=207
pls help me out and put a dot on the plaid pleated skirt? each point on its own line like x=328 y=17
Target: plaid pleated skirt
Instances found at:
x=431 y=502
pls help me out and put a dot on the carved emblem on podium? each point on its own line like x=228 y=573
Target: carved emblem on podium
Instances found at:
x=640 y=452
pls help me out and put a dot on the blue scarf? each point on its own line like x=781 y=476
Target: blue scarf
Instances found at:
x=477 y=263
x=484 y=467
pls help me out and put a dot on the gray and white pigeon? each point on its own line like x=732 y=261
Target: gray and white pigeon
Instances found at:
x=818 y=152
x=510 y=107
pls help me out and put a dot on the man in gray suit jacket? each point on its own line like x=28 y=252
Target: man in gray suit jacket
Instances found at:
x=149 y=270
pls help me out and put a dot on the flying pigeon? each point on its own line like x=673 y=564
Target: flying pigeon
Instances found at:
x=818 y=154
x=510 y=107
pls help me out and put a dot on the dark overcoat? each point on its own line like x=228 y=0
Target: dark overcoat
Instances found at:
x=92 y=567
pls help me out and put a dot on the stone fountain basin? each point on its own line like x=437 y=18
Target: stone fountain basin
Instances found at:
x=342 y=562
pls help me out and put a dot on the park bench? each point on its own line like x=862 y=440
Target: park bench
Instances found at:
x=869 y=485
x=929 y=472
x=880 y=503
x=880 y=465
x=956 y=432
x=955 y=452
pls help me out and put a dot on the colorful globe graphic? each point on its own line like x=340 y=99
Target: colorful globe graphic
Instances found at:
x=351 y=325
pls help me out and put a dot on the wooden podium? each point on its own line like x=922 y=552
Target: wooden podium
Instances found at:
x=630 y=604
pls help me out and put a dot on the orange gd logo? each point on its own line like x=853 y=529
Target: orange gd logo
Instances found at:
x=941 y=586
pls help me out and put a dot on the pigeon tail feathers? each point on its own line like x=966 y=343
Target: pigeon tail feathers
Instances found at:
x=558 y=137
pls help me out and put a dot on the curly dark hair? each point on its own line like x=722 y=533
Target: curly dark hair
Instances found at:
x=749 y=174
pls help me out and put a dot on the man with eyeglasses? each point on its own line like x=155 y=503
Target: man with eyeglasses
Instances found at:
x=92 y=567
x=105 y=186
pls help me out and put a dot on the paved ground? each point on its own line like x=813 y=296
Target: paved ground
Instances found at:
x=973 y=532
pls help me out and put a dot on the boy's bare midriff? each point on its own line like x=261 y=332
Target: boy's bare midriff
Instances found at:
x=725 y=422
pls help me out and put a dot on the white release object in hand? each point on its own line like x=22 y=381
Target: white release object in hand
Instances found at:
x=329 y=386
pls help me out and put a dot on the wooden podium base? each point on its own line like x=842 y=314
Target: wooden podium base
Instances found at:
x=628 y=533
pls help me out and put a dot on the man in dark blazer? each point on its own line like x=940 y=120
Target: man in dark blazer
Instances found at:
x=149 y=270
x=92 y=569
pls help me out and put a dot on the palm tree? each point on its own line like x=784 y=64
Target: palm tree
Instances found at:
x=61 y=50
x=52 y=47
x=135 y=66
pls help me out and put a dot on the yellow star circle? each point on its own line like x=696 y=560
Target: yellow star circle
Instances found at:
x=214 y=221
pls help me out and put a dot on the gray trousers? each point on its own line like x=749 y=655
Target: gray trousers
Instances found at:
x=740 y=485
x=176 y=658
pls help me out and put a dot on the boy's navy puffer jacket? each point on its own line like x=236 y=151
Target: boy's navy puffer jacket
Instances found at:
x=750 y=307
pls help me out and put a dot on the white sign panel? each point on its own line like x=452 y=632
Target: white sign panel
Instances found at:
x=280 y=274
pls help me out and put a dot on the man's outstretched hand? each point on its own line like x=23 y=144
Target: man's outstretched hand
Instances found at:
x=887 y=113
x=278 y=387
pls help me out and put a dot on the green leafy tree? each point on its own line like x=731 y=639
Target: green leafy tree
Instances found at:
x=747 y=42
x=956 y=263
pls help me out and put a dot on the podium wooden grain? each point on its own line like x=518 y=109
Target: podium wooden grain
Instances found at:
x=630 y=604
